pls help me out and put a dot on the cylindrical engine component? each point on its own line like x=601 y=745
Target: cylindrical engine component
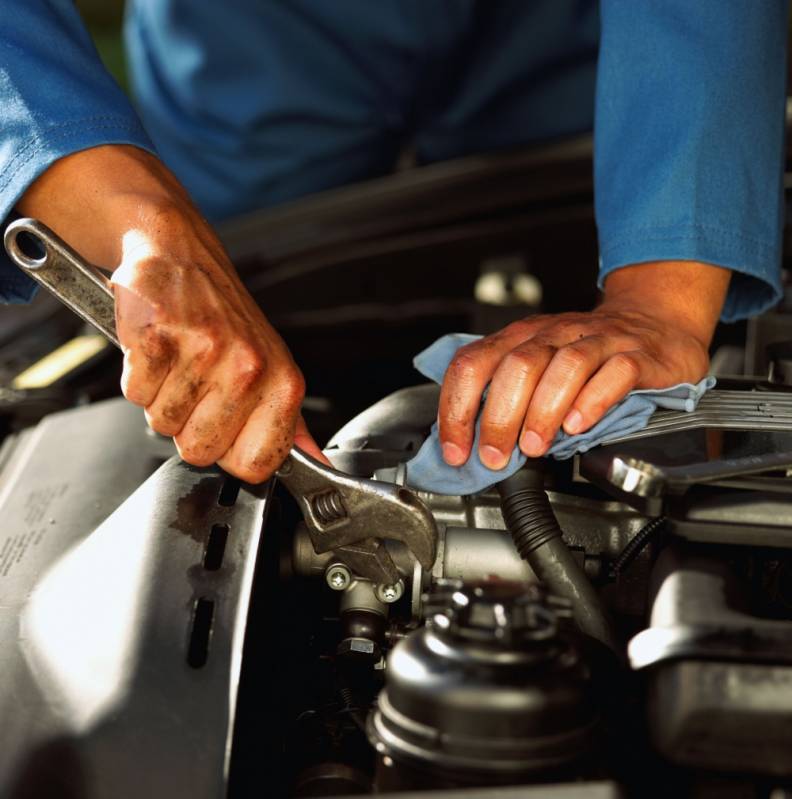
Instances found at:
x=473 y=555
x=537 y=536
x=363 y=619
x=489 y=692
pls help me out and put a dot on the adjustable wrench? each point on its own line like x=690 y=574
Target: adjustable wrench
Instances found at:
x=350 y=515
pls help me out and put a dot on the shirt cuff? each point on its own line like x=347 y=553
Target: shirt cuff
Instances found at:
x=755 y=285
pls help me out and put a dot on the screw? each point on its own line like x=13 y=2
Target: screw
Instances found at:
x=338 y=576
x=389 y=593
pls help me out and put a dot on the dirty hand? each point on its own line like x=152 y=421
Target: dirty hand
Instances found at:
x=652 y=330
x=199 y=355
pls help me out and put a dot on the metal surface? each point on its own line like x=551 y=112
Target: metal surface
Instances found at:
x=473 y=544
x=340 y=511
x=117 y=681
x=725 y=410
x=731 y=434
x=76 y=283
x=751 y=517
x=719 y=677
x=695 y=615
x=646 y=472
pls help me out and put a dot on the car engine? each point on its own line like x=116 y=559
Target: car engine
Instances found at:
x=613 y=625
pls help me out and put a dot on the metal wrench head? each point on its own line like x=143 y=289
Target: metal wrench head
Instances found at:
x=340 y=509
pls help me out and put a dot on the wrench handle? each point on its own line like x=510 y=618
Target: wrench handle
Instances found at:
x=76 y=283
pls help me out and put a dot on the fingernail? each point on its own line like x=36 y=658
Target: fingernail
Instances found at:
x=531 y=444
x=452 y=454
x=492 y=457
x=573 y=422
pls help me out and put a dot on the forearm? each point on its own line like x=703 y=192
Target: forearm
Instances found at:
x=688 y=294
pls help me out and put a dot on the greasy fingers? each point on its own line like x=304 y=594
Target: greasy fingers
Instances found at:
x=567 y=370
x=467 y=376
x=511 y=389
x=566 y=374
x=200 y=357
x=266 y=437
x=615 y=379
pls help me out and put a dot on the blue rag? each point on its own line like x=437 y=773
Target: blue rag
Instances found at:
x=427 y=471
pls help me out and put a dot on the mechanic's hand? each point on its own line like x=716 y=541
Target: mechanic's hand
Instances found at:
x=199 y=355
x=652 y=330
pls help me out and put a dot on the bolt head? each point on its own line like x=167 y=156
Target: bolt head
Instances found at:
x=390 y=593
x=338 y=577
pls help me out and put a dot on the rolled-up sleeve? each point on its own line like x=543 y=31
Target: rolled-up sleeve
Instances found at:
x=689 y=139
x=55 y=99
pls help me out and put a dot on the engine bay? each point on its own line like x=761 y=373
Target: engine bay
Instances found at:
x=613 y=625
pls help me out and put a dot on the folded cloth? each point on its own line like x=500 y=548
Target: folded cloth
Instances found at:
x=428 y=471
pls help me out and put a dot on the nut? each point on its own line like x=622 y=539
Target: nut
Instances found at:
x=363 y=648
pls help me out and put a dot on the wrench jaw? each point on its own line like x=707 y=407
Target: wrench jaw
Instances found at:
x=351 y=516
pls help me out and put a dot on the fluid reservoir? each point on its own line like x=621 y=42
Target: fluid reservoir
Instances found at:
x=489 y=691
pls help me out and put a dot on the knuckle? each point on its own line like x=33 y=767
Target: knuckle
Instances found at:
x=463 y=364
x=595 y=408
x=134 y=390
x=249 y=366
x=519 y=361
x=521 y=327
x=455 y=422
x=255 y=472
x=495 y=429
x=573 y=357
x=205 y=348
x=626 y=365
x=152 y=340
x=159 y=424
x=195 y=453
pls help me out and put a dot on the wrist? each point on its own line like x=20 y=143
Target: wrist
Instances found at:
x=686 y=294
x=92 y=198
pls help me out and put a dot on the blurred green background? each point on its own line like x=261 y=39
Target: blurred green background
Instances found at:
x=103 y=19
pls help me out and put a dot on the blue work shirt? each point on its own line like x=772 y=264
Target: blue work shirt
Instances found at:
x=255 y=102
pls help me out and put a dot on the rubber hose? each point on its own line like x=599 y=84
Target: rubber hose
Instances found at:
x=537 y=535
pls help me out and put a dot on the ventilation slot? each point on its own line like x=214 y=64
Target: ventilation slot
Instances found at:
x=198 y=650
x=229 y=492
x=215 y=547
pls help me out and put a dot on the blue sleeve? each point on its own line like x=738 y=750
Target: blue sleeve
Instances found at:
x=689 y=138
x=55 y=99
